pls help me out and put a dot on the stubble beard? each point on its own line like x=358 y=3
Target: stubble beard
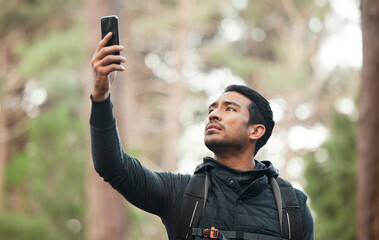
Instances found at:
x=224 y=145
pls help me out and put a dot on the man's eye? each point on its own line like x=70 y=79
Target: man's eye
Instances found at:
x=210 y=110
x=230 y=109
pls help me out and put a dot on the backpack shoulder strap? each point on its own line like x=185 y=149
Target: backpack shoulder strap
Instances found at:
x=278 y=200
x=193 y=203
x=288 y=209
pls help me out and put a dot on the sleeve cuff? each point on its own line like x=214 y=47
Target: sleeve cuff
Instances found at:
x=101 y=113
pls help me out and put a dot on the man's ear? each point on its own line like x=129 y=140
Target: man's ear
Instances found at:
x=257 y=131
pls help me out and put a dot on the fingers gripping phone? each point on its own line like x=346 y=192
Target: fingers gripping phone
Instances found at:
x=110 y=24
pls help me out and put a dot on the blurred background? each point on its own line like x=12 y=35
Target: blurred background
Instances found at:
x=304 y=56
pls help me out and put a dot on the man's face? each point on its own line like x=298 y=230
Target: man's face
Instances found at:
x=227 y=125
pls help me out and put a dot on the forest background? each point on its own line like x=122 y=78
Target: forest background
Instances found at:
x=305 y=56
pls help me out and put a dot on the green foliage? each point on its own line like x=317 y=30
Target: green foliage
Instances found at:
x=331 y=182
x=58 y=49
x=35 y=16
x=51 y=169
x=225 y=55
x=280 y=61
x=273 y=75
x=279 y=78
x=47 y=178
x=16 y=170
x=144 y=225
x=151 y=24
x=15 y=226
x=62 y=86
x=206 y=15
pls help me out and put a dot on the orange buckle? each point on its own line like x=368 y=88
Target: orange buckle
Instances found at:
x=210 y=233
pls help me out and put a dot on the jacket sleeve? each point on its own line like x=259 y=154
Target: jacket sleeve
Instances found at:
x=308 y=224
x=151 y=191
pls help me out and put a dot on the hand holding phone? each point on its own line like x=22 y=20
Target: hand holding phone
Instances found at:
x=106 y=59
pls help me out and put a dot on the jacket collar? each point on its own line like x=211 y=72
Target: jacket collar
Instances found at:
x=251 y=182
x=261 y=167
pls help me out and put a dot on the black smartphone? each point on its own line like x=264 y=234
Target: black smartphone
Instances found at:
x=110 y=24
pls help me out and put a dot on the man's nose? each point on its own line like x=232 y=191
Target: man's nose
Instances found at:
x=214 y=115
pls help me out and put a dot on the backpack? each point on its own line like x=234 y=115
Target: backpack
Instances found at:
x=195 y=197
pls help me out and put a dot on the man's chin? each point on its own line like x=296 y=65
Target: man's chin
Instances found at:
x=211 y=139
x=215 y=145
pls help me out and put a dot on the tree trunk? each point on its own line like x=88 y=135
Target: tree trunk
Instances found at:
x=106 y=214
x=10 y=81
x=368 y=126
x=12 y=138
x=175 y=90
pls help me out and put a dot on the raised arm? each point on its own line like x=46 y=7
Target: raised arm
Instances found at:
x=151 y=191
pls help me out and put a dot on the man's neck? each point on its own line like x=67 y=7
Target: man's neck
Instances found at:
x=243 y=161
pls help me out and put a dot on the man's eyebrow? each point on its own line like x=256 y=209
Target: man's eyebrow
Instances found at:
x=212 y=105
x=232 y=103
x=226 y=103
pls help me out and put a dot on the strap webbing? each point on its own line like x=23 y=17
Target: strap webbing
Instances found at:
x=223 y=235
x=278 y=200
x=207 y=185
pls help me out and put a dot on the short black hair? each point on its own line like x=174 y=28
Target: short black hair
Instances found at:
x=259 y=109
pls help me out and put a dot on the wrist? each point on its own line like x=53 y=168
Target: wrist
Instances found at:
x=98 y=97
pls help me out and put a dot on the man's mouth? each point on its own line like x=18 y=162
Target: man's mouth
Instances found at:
x=213 y=127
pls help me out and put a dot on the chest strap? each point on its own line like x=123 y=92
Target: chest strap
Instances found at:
x=214 y=233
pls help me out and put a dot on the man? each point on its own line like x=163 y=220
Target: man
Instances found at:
x=240 y=197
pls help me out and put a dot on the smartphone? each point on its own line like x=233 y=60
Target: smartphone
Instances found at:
x=110 y=24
